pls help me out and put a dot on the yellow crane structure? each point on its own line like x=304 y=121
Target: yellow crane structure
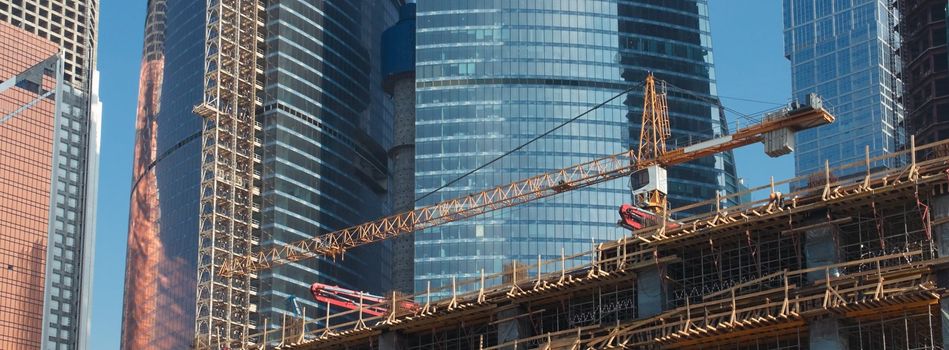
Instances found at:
x=653 y=133
x=650 y=155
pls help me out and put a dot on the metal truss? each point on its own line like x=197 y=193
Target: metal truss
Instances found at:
x=228 y=226
x=31 y=79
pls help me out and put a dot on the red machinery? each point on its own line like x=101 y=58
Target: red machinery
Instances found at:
x=634 y=218
x=352 y=300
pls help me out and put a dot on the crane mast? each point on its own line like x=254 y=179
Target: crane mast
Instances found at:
x=650 y=187
x=650 y=157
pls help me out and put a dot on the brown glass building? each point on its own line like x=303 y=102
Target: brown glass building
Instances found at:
x=26 y=157
x=160 y=273
x=72 y=27
x=925 y=68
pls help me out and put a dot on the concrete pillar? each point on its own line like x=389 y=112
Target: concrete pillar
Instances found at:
x=651 y=292
x=940 y=209
x=824 y=334
x=391 y=341
x=513 y=325
x=402 y=159
x=398 y=71
x=820 y=249
x=944 y=320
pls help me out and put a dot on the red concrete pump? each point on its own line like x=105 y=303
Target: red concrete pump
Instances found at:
x=353 y=300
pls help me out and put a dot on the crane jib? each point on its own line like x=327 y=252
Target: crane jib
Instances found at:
x=567 y=179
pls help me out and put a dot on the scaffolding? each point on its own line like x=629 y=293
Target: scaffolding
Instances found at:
x=734 y=278
x=230 y=175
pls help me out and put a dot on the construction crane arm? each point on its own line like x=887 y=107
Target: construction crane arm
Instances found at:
x=523 y=191
x=798 y=119
x=574 y=177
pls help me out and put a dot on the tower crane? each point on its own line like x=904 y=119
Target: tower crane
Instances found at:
x=646 y=165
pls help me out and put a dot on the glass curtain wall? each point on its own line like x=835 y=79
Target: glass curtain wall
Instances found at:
x=492 y=74
x=327 y=124
x=843 y=50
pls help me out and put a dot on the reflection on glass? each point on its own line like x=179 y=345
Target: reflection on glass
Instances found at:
x=493 y=74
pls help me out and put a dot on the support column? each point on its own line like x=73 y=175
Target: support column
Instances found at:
x=824 y=334
x=513 y=325
x=398 y=71
x=940 y=210
x=650 y=292
x=402 y=162
x=820 y=249
x=391 y=341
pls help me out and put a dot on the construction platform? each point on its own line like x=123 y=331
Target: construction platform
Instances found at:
x=849 y=263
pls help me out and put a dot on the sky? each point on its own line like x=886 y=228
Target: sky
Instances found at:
x=750 y=65
x=121 y=29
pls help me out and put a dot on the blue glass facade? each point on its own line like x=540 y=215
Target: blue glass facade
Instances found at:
x=492 y=74
x=842 y=50
x=159 y=301
x=326 y=125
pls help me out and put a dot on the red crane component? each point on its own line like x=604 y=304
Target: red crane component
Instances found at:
x=352 y=300
x=634 y=218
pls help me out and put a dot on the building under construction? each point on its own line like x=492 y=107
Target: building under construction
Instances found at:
x=838 y=263
x=850 y=263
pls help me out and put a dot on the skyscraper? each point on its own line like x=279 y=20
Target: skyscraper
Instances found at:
x=843 y=50
x=73 y=26
x=327 y=125
x=324 y=128
x=923 y=30
x=494 y=74
x=159 y=299
x=27 y=134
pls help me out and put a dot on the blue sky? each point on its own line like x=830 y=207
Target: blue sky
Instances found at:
x=749 y=61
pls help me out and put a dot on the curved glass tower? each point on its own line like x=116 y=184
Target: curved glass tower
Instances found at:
x=494 y=74
x=158 y=307
x=326 y=125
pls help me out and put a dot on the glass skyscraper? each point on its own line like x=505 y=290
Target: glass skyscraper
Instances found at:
x=925 y=56
x=161 y=266
x=327 y=125
x=843 y=50
x=492 y=74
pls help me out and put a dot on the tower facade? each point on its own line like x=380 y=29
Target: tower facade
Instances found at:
x=327 y=126
x=491 y=75
x=73 y=26
x=923 y=50
x=159 y=300
x=843 y=51
x=321 y=126
x=27 y=133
